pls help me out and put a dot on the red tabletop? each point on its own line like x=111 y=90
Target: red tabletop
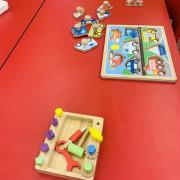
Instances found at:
x=14 y=22
x=142 y=119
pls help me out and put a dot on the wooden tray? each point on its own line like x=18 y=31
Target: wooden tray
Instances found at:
x=55 y=163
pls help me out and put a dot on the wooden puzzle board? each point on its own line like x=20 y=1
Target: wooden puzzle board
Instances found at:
x=137 y=52
x=55 y=163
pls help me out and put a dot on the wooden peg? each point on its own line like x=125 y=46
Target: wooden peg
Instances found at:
x=77 y=26
x=87 y=17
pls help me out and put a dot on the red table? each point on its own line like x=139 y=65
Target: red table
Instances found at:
x=14 y=22
x=142 y=119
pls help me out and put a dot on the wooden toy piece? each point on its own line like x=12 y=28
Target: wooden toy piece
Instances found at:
x=91 y=149
x=86 y=44
x=137 y=52
x=58 y=112
x=88 y=167
x=45 y=147
x=102 y=14
x=79 y=30
x=79 y=12
x=3 y=6
x=39 y=161
x=54 y=122
x=50 y=134
x=75 y=150
x=58 y=161
x=135 y=3
x=96 y=134
x=70 y=162
x=76 y=136
x=96 y=30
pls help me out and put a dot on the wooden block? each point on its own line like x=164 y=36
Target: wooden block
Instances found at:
x=137 y=52
x=79 y=12
x=53 y=163
x=96 y=30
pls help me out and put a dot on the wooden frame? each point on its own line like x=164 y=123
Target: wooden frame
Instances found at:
x=172 y=78
x=55 y=164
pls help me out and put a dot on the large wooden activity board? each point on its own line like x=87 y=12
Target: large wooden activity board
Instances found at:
x=137 y=53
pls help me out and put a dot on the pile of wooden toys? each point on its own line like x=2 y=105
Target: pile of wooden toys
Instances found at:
x=89 y=26
x=3 y=6
x=135 y=3
x=71 y=147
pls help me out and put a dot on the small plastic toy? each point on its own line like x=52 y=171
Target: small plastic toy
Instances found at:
x=102 y=14
x=3 y=6
x=135 y=3
x=86 y=44
x=96 y=30
x=79 y=12
x=72 y=153
x=79 y=30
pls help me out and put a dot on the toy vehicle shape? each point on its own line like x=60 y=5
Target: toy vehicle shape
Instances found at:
x=130 y=47
x=132 y=65
x=132 y=32
x=115 y=59
x=156 y=66
x=149 y=35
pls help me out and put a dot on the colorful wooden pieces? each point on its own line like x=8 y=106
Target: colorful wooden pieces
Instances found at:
x=86 y=44
x=88 y=167
x=39 y=161
x=102 y=14
x=54 y=122
x=79 y=30
x=96 y=134
x=58 y=161
x=105 y=6
x=44 y=147
x=79 y=12
x=75 y=150
x=135 y=3
x=70 y=162
x=3 y=6
x=50 y=134
x=138 y=53
x=91 y=149
x=58 y=112
x=96 y=30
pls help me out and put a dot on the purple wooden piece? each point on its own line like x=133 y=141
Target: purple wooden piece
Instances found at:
x=44 y=147
x=54 y=122
x=50 y=134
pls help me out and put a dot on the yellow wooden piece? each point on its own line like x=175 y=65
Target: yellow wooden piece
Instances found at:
x=58 y=112
x=96 y=134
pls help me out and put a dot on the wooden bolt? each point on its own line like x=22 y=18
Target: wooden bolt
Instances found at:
x=84 y=41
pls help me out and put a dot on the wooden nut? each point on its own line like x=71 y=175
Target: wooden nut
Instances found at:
x=87 y=17
x=84 y=41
